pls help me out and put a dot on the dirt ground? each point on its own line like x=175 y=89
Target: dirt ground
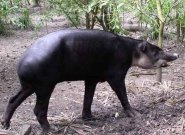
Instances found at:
x=161 y=105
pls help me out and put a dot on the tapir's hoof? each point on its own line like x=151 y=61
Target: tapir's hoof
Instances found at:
x=46 y=128
x=46 y=131
x=5 y=125
x=132 y=113
x=88 y=117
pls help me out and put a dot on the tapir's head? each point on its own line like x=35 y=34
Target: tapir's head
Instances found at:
x=150 y=56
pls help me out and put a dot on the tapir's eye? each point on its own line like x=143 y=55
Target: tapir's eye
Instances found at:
x=155 y=52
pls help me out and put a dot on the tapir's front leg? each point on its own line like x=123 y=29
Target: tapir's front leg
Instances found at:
x=117 y=83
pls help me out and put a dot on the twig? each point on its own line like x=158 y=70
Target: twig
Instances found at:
x=138 y=74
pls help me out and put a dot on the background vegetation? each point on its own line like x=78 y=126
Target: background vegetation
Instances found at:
x=155 y=18
x=107 y=14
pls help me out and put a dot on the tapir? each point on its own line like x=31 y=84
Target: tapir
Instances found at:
x=89 y=55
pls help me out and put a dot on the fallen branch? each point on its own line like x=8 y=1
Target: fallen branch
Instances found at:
x=7 y=132
x=138 y=74
x=133 y=28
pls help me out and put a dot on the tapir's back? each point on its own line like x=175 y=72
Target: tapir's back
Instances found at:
x=68 y=55
x=86 y=53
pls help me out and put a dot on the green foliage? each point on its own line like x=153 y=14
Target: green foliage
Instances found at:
x=13 y=14
x=91 y=13
x=146 y=12
x=180 y=20
x=111 y=15
x=69 y=8
x=24 y=21
x=4 y=11
x=104 y=12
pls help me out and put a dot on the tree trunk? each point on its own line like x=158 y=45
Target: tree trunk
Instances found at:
x=183 y=33
x=182 y=30
x=178 y=26
x=87 y=18
x=36 y=3
x=160 y=40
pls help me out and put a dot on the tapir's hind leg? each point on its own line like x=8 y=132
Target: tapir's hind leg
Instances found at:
x=14 y=102
x=41 y=108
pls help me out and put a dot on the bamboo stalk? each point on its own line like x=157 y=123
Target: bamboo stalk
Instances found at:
x=160 y=40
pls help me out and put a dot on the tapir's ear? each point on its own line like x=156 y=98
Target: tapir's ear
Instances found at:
x=142 y=46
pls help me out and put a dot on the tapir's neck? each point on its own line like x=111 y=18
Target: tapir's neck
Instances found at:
x=131 y=43
x=133 y=47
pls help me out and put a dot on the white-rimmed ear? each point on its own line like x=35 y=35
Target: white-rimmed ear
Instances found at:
x=142 y=46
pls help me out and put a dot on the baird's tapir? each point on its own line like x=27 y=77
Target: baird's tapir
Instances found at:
x=90 y=55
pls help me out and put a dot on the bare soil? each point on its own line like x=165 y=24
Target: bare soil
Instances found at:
x=161 y=105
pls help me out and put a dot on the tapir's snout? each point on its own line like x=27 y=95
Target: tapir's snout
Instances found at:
x=171 y=57
x=167 y=58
